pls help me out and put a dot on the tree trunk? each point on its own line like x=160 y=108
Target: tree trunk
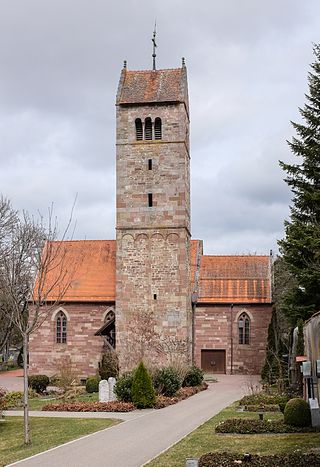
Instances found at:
x=25 y=390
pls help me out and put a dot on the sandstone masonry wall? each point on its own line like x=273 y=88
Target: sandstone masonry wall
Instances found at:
x=82 y=349
x=215 y=330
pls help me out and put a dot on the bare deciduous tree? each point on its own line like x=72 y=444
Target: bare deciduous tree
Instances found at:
x=35 y=275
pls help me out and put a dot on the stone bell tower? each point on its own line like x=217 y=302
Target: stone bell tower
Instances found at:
x=153 y=297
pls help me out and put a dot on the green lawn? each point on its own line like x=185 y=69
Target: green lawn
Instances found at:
x=45 y=433
x=204 y=440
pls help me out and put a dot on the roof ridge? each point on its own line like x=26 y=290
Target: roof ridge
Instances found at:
x=153 y=71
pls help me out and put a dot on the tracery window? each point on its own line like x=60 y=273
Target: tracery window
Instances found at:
x=244 y=329
x=61 y=328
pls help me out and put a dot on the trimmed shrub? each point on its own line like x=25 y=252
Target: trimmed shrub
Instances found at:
x=194 y=377
x=166 y=381
x=39 y=383
x=253 y=426
x=109 y=365
x=92 y=384
x=297 y=412
x=262 y=398
x=123 y=387
x=143 y=395
x=262 y=408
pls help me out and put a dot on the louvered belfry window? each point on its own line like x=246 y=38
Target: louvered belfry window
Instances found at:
x=148 y=128
x=61 y=328
x=139 y=131
x=157 y=128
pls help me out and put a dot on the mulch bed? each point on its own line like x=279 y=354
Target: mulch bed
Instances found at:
x=114 y=406
x=224 y=459
x=118 y=406
x=184 y=393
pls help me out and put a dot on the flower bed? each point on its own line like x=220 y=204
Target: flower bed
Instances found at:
x=224 y=459
x=114 y=406
x=252 y=426
x=183 y=393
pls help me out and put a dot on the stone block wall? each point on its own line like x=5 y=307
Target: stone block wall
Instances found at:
x=216 y=328
x=153 y=295
x=82 y=349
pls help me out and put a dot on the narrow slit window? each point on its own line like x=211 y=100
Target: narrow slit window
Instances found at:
x=148 y=129
x=150 y=201
x=157 y=128
x=154 y=296
x=139 y=132
x=150 y=164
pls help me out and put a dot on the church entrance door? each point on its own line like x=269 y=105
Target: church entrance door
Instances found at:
x=213 y=361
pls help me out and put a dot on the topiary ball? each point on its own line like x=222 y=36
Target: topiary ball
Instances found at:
x=297 y=412
x=92 y=384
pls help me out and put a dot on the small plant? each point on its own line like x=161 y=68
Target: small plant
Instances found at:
x=3 y=393
x=66 y=377
x=14 y=399
x=297 y=412
x=92 y=384
x=166 y=381
x=39 y=383
x=123 y=387
x=194 y=377
x=109 y=365
x=143 y=395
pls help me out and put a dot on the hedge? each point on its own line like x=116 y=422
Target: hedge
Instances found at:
x=254 y=426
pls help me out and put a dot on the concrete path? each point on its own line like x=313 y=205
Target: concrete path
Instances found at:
x=135 y=442
x=12 y=380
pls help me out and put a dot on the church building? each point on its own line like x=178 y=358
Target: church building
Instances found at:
x=152 y=294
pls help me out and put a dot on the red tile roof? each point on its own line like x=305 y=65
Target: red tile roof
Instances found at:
x=235 y=279
x=223 y=279
x=93 y=271
x=137 y=87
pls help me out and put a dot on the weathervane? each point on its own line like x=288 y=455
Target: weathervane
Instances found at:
x=154 y=46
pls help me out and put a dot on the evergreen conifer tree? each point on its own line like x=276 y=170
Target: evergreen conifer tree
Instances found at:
x=143 y=395
x=301 y=246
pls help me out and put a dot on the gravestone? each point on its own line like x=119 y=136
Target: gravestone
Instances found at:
x=103 y=391
x=112 y=382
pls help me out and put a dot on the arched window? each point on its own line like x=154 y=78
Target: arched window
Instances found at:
x=157 y=128
x=61 y=328
x=244 y=329
x=139 y=132
x=148 y=128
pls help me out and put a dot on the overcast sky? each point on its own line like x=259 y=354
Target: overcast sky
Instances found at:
x=247 y=62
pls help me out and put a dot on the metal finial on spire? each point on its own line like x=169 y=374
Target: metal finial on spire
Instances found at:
x=154 y=47
x=124 y=63
x=183 y=61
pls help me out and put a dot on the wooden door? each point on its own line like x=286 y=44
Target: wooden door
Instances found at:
x=213 y=361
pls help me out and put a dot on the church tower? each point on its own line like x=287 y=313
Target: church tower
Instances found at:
x=153 y=296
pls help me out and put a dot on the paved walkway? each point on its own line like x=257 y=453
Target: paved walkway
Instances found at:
x=12 y=380
x=134 y=442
